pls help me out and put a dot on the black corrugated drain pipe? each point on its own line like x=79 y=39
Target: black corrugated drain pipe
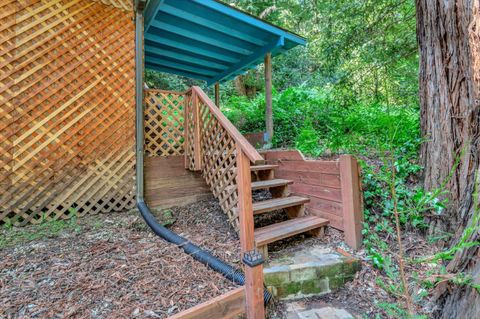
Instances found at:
x=196 y=252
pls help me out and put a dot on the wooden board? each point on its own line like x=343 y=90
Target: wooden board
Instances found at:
x=289 y=228
x=168 y=183
x=227 y=306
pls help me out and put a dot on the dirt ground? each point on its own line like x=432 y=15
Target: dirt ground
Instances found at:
x=113 y=266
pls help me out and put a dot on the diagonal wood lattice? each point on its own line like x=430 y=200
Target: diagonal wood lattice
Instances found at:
x=121 y=4
x=67 y=109
x=218 y=156
x=164 y=123
x=189 y=129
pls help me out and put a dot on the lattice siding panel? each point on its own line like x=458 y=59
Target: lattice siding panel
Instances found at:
x=67 y=109
x=164 y=123
x=219 y=162
x=121 y=4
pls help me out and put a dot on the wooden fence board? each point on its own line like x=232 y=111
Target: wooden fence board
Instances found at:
x=67 y=108
x=319 y=191
x=310 y=178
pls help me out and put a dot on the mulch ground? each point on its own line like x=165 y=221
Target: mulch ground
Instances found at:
x=114 y=267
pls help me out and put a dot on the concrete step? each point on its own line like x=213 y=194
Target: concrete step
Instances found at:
x=296 y=310
x=309 y=271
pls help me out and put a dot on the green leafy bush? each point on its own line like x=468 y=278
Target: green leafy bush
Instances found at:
x=299 y=113
x=307 y=140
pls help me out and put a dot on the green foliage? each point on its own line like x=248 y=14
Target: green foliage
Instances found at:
x=11 y=236
x=365 y=49
x=394 y=310
x=307 y=139
x=303 y=115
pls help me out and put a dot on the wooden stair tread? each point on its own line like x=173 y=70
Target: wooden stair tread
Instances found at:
x=255 y=168
x=270 y=183
x=278 y=203
x=289 y=228
x=265 y=167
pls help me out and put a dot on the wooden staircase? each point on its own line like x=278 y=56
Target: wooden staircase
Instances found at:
x=233 y=169
x=263 y=177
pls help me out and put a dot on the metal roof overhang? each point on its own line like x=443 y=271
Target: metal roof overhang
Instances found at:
x=208 y=40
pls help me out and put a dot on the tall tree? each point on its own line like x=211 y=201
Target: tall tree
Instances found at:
x=448 y=33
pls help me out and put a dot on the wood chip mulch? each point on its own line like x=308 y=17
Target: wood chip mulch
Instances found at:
x=114 y=267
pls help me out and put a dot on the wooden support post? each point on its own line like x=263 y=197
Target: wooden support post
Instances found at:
x=253 y=275
x=217 y=94
x=186 y=102
x=268 y=97
x=351 y=201
x=196 y=142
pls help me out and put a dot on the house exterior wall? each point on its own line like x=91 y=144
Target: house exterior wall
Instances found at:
x=67 y=108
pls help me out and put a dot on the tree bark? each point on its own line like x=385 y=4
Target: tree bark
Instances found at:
x=448 y=33
x=240 y=85
x=217 y=94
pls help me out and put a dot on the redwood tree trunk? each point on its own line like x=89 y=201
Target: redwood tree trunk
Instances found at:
x=449 y=39
x=240 y=85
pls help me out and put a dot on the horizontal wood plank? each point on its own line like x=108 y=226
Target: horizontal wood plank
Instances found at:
x=283 y=155
x=278 y=203
x=324 y=205
x=265 y=167
x=228 y=306
x=333 y=194
x=270 y=184
x=326 y=167
x=335 y=220
x=289 y=228
x=311 y=178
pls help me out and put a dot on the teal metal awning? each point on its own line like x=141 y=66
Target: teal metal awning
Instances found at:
x=208 y=40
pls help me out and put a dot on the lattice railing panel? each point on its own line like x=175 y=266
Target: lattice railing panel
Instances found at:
x=67 y=109
x=164 y=123
x=217 y=154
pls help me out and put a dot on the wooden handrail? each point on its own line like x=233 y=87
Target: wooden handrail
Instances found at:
x=239 y=139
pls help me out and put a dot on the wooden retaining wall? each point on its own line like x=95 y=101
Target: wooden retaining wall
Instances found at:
x=67 y=108
x=167 y=182
x=333 y=188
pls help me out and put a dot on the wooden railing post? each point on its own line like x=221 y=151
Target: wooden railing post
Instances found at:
x=351 y=201
x=217 y=94
x=196 y=142
x=253 y=274
x=186 y=102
